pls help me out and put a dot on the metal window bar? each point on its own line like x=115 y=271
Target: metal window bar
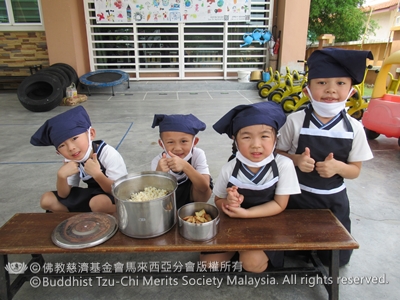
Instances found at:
x=178 y=48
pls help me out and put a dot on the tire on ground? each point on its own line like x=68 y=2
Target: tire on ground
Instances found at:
x=61 y=75
x=73 y=75
x=40 y=92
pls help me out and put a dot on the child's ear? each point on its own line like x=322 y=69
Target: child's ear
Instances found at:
x=92 y=133
x=196 y=140
x=160 y=143
x=305 y=91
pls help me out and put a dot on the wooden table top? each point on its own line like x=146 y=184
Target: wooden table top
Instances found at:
x=30 y=233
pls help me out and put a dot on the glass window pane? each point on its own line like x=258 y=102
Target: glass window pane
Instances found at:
x=3 y=12
x=26 y=11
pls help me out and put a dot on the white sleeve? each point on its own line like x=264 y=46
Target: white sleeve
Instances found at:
x=360 y=150
x=288 y=183
x=113 y=162
x=222 y=180
x=199 y=161
x=155 y=161
x=289 y=133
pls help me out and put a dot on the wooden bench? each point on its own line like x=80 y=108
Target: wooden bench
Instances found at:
x=30 y=233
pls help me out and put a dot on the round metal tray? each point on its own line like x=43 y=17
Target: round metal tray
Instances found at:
x=84 y=230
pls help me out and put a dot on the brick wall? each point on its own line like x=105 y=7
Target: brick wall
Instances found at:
x=18 y=52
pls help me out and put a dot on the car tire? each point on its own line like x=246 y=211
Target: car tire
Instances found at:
x=40 y=92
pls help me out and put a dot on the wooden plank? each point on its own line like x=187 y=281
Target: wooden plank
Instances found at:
x=28 y=233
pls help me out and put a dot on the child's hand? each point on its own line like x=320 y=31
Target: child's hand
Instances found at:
x=92 y=166
x=175 y=163
x=68 y=169
x=304 y=161
x=234 y=212
x=234 y=198
x=327 y=168
x=163 y=164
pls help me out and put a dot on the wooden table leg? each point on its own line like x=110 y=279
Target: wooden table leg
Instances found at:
x=4 y=279
x=334 y=274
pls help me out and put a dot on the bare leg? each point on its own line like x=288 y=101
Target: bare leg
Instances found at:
x=102 y=203
x=49 y=201
x=255 y=261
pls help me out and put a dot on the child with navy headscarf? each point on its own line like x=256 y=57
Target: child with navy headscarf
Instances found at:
x=94 y=162
x=324 y=142
x=257 y=182
x=181 y=158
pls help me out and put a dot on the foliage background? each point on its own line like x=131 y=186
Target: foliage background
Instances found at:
x=343 y=18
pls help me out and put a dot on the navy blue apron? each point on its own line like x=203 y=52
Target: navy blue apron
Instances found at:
x=324 y=193
x=183 y=193
x=90 y=181
x=257 y=197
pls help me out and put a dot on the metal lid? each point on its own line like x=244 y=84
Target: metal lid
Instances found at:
x=84 y=230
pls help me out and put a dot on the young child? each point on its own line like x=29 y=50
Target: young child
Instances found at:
x=95 y=162
x=181 y=158
x=256 y=183
x=324 y=142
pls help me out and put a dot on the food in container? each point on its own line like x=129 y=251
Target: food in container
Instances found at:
x=149 y=193
x=198 y=231
x=145 y=219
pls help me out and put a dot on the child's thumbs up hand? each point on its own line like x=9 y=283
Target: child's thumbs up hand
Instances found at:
x=329 y=157
x=327 y=168
x=307 y=152
x=163 y=164
x=92 y=166
x=305 y=162
x=175 y=163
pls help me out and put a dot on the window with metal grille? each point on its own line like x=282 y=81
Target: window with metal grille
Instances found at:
x=178 y=50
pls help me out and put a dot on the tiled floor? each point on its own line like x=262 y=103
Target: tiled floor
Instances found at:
x=124 y=121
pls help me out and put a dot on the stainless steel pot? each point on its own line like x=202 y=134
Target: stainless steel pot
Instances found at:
x=198 y=232
x=148 y=218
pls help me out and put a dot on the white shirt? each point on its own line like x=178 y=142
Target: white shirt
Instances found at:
x=111 y=160
x=289 y=136
x=199 y=163
x=286 y=185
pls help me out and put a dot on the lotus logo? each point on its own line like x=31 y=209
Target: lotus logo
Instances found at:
x=16 y=268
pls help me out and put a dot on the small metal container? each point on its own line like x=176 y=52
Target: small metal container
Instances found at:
x=198 y=232
x=145 y=219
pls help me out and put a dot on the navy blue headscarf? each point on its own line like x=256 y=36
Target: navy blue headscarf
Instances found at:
x=60 y=128
x=267 y=113
x=336 y=62
x=180 y=123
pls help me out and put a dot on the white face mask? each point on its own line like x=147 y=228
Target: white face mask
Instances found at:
x=186 y=158
x=254 y=164
x=89 y=150
x=327 y=110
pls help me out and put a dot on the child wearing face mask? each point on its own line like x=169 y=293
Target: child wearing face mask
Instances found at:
x=324 y=142
x=181 y=158
x=94 y=162
x=256 y=182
